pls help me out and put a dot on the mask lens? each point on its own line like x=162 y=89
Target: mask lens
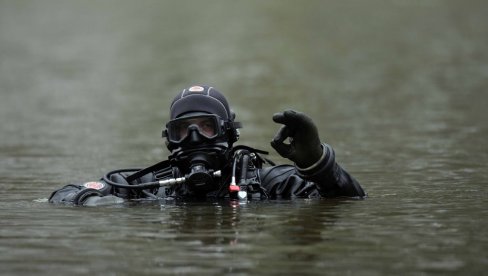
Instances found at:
x=179 y=129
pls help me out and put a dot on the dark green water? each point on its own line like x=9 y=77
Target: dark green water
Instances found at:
x=399 y=88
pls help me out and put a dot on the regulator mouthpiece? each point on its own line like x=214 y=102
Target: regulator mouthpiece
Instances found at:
x=200 y=178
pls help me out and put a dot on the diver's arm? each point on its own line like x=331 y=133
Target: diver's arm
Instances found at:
x=314 y=161
x=97 y=193
x=283 y=181
x=325 y=178
x=88 y=194
x=331 y=179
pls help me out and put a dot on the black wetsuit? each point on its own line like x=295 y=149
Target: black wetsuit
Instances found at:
x=323 y=179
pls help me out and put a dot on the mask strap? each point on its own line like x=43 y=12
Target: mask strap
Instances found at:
x=233 y=124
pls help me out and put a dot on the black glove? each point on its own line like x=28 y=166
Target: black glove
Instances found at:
x=304 y=148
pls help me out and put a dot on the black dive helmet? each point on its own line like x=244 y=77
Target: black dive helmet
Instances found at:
x=200 y=132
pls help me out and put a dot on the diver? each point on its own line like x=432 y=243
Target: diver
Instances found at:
x=205 y=164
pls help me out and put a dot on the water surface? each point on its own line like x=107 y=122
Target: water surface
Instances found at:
x=397 y=87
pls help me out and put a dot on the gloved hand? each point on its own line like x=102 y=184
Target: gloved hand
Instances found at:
x=304 y=148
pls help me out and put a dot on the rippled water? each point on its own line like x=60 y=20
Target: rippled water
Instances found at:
x=397 y=87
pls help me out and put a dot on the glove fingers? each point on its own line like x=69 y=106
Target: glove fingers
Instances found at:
x=283 y=149
x=288 y=117
x=292 y=118
x=304 y=147
x=278 y=117
x=277 y=142
x=282 y=134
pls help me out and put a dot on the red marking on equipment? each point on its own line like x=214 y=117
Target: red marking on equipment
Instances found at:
x=94 y=185
x=234 y=188
x=196 y=89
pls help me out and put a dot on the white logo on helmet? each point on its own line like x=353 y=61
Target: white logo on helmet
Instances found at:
x=196 y=89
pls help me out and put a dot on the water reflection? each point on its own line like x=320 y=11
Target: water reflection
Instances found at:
x=235 y=237
x=231 y=222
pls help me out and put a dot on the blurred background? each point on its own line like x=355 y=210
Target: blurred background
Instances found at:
x=398 y=88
